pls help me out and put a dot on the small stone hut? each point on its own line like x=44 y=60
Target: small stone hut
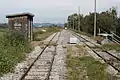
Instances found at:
x=22 y=22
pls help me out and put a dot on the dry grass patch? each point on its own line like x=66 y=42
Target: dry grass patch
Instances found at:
x=77 y=50
x=37 y=43
x=111 y=46
x=40 y=35
x=80 y=66
x=52 y=43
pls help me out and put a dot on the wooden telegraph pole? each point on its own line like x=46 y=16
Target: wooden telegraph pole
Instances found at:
x=73 y=22
x=95 y=20
x=79 y=22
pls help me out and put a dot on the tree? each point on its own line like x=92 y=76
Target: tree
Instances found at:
x=73 y=21
x=106 y=21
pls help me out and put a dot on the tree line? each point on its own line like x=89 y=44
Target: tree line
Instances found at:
x=107 y=21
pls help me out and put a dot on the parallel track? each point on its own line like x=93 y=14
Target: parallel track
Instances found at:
x=51 y=63
x=78 y=36
x=50 y=69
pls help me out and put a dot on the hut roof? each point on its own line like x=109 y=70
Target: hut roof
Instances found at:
x=20 y=14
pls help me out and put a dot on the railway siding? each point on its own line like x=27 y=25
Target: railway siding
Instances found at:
x=104 y=56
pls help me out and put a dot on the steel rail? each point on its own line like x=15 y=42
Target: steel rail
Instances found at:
x=99 y=54
x=50 y=69
x=98 y=46
x=26 y=72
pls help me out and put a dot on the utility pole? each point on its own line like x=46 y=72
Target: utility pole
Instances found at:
x=99 y=30
x=79 y=21
x=95 y=16
x=73 y=22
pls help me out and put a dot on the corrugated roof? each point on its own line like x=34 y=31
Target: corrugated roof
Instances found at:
x=20 y=14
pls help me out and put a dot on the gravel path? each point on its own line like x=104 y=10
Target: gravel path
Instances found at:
x=59 y=66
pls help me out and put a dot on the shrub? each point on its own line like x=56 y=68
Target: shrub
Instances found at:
x=13 y=47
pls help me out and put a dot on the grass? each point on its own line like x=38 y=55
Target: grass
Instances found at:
x=39 y=35
x=84 y=68
x=13 y=49
x=111 y=46
x=3 y=31
x=83 y=33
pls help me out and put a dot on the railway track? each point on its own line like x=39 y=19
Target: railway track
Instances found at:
x=41 y=67
x=111 y=59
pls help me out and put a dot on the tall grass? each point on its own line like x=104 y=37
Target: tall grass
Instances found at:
x=13 y=47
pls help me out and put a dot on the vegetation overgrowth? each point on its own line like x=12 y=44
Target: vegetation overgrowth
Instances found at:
x=13 y=49
x=84 y=67
x=111 y=46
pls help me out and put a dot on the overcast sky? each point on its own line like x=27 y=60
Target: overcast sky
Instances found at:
x=54 y=11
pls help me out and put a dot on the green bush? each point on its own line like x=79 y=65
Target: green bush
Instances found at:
x=13 y=47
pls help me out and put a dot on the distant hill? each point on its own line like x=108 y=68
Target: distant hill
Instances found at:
x=3 y=25
x=42 y=24
x=59 y=24
x=47 y=24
